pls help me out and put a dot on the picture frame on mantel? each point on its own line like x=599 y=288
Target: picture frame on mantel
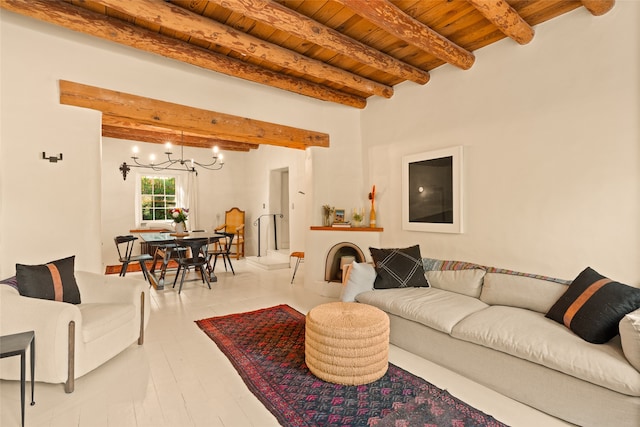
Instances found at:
x=432 y=191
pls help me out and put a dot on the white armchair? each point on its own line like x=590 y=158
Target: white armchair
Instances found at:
x=72 y=340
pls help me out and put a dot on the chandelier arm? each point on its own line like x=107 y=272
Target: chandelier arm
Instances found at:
x=162 y=169
x=161 y=165
x=152 y=165
x=205 y=165
x=169 y=159
x=185 y=165
x=135 y=159
x=212 y=166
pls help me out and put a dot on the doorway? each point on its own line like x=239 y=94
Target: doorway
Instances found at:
x=279 y=203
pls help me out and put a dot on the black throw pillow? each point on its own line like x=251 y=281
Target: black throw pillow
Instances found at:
x=593 y=305
x=53 y=281
x=398 y=268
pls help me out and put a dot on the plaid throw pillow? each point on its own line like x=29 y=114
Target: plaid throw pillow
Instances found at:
x=398 y=268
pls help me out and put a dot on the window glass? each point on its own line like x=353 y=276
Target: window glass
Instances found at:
x=157 y=197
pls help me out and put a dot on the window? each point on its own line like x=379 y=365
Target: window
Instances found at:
x=157 y=197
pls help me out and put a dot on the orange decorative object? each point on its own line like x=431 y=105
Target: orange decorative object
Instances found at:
x=372 y=215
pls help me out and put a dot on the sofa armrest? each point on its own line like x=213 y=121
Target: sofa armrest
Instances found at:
x=630 y=337
x=50 y=322
x=99 y=288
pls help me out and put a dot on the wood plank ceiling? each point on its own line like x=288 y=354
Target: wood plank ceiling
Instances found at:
x=341 y=51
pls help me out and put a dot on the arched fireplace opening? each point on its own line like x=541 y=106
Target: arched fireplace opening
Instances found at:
x=333 y=265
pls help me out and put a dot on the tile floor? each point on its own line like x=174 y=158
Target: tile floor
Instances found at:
x=180 y=378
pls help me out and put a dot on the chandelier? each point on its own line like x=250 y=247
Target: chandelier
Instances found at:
x=180 y=164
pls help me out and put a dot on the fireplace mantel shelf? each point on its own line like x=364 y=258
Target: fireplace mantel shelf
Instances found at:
x=374 y=229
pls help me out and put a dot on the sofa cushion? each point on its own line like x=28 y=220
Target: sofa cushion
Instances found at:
x=398 y=268
x=456 y=276
x=524 y=290
x=594 y=305
x=465 y=282
x=360 y=278
x=529 y=335
x=630 y=337
x=53 y=281
x=98 y=319
x=432 y=307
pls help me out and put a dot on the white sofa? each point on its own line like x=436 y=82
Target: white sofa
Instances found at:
x=490 y=326
x=72 y=340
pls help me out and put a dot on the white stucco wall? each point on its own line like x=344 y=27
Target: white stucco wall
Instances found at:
x=54 y=210
x=551 y=149
x=550 y=130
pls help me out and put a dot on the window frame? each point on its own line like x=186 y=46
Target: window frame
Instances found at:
x=180 y=194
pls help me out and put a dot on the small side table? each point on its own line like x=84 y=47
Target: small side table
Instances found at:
x=16 y=344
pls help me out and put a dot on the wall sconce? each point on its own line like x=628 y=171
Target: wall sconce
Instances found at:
x=52 y=159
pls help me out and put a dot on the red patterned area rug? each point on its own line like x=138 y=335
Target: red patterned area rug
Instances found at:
x=267 y=348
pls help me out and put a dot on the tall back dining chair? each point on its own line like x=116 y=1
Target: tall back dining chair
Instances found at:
x=124 y=245
x=195 y=256
x=234 y=223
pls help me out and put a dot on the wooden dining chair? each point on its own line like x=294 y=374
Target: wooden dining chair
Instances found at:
x=223 y=249
x=234 y=223
x=196 y=256
x=124 y=245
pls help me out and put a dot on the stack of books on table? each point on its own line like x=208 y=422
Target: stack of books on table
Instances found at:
x=341 y=224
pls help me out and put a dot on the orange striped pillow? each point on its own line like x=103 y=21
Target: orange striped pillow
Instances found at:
x=593 y=305
x=53 y=281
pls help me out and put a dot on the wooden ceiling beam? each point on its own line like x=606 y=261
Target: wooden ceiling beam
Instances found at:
x=285 y=19
x=180 y=117
x=172 y=134
x=598 y=7
x=397 y=23
x=123 y=128
x=97 y=25
x=158 y=138
x=176 y=18
x=505 y=18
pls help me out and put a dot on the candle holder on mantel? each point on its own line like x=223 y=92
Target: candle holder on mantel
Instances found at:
x=372 y=214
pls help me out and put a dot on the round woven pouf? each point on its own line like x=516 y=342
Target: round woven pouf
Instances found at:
x=347 y=343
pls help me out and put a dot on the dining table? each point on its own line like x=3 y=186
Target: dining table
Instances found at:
x=165 y=244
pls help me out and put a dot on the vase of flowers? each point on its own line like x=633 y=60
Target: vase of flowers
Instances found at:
x=179 y=216
x=327 y=215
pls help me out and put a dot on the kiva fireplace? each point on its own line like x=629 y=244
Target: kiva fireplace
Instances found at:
x=339 y=255
x=320 y=256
